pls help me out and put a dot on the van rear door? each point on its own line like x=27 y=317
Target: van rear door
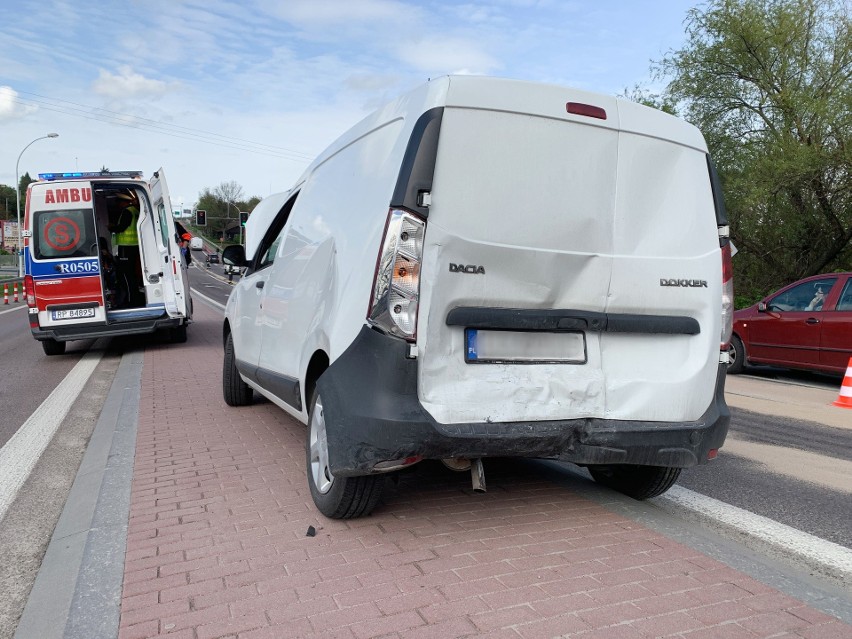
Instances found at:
x=536 y=210
x=175 y=281
x=61 y=254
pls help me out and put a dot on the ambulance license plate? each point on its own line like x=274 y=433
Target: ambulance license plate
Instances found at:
x=72 y=313
x=516 y=347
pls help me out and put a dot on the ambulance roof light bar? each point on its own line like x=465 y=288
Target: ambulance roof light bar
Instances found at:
x=77 y=175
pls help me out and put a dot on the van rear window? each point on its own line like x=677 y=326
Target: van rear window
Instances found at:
x=59 y=234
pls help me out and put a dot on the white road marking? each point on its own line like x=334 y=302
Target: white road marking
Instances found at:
x=831 y=557
x=210 y=301
x=19 y=455
x=9 y=310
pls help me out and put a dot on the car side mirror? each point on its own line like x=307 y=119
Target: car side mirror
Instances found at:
x=761 y=307
x=234 y=255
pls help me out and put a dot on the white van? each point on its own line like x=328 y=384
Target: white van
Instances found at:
x=491 y=268
x=102 y=258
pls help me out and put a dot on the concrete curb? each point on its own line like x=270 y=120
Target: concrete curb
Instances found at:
x=77 y=593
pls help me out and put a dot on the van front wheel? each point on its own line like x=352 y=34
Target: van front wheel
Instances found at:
x=639 y=482
x=52 y=347
x=335 y=497
x=235 y=391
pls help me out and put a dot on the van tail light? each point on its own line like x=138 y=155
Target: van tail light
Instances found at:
x=396 y=284
x=727 y=289
x=29 y=290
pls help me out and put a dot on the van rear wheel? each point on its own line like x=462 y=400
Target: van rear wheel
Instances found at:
x=639 y=482
x=52 y=347
x=335 y=497
x=235 y=391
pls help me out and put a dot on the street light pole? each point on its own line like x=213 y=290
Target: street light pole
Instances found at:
x=18 y=203
x=239 y=222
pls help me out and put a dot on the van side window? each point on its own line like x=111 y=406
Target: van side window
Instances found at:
x=164 y=228
x=269 y=255
x=272 y=239
x=61 y=234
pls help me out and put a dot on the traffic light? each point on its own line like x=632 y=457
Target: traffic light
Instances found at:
x=200 y=218
x=243 y=218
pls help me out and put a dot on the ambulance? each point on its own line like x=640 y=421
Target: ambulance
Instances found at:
x=102 y=258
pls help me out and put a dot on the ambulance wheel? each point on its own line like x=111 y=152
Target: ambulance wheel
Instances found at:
x=52 y=347
x=335 y=497
x=178 y=334
x=639 y=482
x=235 y=391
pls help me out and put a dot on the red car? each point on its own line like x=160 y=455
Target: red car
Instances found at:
x=806 y=325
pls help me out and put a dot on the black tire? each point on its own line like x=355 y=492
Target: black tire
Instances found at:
x=52 y=347
x=736 y=356
x=178 y=334
x=335 y=497
x=235 y=391
x=639 y=482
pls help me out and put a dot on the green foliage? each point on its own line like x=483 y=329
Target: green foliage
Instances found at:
x=769 y=83
x=24 y=181
x=7 y=202
x=223 y=204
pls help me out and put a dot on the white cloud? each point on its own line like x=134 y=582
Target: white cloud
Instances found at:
x=128 y=84
x=441 y=55
x=10 y=108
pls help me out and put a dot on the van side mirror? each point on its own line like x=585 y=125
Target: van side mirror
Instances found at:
x=234 y=255
x=761 y=307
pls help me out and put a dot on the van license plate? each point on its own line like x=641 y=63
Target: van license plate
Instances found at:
x=515 y=347
x=73 y=313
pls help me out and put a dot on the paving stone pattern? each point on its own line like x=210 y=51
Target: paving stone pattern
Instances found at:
x=217 y=544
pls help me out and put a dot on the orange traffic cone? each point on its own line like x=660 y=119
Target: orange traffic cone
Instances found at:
x=15 y=288
x=5 y=293
x=844 y=400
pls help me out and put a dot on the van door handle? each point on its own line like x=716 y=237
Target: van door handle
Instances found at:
x=812 y=320
x=260 y=283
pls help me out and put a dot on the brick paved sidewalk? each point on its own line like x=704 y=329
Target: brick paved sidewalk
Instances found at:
x=217 y=543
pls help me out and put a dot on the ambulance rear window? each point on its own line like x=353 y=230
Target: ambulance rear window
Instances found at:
x=61 y=234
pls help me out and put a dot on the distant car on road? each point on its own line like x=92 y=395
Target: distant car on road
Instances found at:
x=806 y=325
x=213 y=258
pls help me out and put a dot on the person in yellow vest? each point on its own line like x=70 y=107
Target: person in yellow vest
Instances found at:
x=128 y=216
x=124 y=222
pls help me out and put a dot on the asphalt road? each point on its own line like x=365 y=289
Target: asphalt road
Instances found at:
x=27 y=375
x=790 y=498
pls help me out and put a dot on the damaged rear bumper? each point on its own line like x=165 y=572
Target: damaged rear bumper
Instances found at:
x=373 y=415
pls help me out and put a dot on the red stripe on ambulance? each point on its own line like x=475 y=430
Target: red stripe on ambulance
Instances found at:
x=71 y=290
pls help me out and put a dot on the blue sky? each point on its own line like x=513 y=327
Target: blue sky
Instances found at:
x=251 y=91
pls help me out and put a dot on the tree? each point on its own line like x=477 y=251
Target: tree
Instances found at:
x=769 y=83
x=24 y=181
x=223 y=204
x=7 y=201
